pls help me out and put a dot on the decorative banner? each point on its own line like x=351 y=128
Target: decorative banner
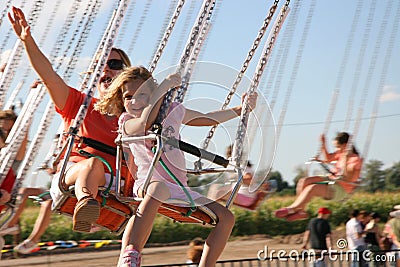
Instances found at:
x=61 y=244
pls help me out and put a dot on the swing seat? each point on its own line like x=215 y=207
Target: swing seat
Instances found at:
x=178 y=213
x=178 y=210
x=261 y=195
x=114 y=215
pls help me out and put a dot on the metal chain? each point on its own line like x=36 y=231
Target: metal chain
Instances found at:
x=244 y=67
x=192 y=61
x=170 y=14
x=9 y=71
x=142 y=19
x=296 y=66
x=87 y=27
x=165 y=38
x=381 y=84
x=14 y=60
x=104 y=49
x=4 y=11
x=127 y=19
x=28 y=70
x=241 y=132
x=184 y=32
x=31 y=153
x=60 y=42
x=359 y=65
x=49 y=111
x=205 y=10
x=107 y=44
x=18 y=132
x=10 y=31
x=181 y=92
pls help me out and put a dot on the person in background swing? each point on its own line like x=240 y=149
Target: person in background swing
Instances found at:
x=7 y=120
x=136 y=98
x=345 y=174
x=87 y=174
x=244 y=197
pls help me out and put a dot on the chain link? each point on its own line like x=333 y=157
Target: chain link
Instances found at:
x=192 y=61
x=49 y=111
x=4 y=11
x=239 y=140
x=243 y=69
x=166 y=36
x=206 y=10
x=14 y=60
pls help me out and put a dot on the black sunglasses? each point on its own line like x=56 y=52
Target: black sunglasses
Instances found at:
x=115 y=64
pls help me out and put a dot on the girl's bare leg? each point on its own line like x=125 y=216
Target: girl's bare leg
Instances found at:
x=216 y=241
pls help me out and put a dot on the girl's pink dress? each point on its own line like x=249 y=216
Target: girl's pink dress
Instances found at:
x=172 y=157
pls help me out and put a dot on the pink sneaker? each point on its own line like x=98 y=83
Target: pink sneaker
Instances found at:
x=131 y=258
x=26 y=247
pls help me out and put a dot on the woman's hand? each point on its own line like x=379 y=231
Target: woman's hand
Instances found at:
x=251 y=100
x=19 y=23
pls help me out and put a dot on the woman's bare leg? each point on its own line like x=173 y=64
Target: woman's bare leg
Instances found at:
x=306 y=181
x=311 y=191
x=87 y=175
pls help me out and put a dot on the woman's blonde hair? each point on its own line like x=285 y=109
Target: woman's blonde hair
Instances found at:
x=112 y=102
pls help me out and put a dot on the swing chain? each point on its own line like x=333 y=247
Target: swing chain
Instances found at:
x=181 y=92
x=208 y=7
x=167 y=34
x=245 y=65
x=238 y=151
x=206 y=10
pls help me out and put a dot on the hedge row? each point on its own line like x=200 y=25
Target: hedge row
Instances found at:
x=260 y=221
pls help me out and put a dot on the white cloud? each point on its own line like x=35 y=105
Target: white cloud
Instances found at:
x=389 y=94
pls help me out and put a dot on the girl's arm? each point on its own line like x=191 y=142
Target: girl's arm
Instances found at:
x=56 y=86
x=139 y=126
x=196 y=118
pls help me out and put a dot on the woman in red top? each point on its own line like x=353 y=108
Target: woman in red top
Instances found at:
x=344 y=176
x=87 y=174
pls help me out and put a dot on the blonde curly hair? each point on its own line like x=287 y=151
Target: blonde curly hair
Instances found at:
x=112 y=102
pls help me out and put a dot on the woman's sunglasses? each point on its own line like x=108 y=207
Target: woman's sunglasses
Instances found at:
x=115 y=64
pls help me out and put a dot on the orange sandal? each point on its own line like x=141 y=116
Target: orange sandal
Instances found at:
x=87 y=211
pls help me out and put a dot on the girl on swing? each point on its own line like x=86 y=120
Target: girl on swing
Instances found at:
x=137 y=99
x=345 y=173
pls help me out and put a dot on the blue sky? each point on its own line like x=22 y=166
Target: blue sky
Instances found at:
x=302 y=84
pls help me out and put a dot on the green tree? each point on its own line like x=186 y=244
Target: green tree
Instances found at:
x=392 y=177
x=374 y=176
x=275 y=175
x=301 y=172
